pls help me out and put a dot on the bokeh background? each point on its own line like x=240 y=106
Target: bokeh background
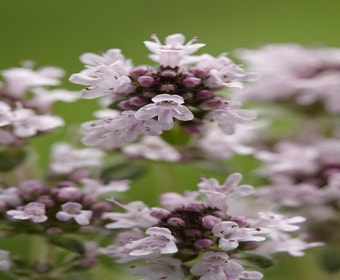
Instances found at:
x=58 y=32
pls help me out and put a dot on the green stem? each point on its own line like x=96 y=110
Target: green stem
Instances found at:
x=166 y=176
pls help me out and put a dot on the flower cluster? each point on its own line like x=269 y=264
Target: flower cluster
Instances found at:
x=290 y=72
x=175 y=111
x=196 y=234
x=148 y=100
x=26 y=101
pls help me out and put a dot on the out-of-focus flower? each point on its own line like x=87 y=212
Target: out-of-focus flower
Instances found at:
x=32 y=211
x=72 y=210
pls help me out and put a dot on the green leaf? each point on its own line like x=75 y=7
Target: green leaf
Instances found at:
x=69 y=244
x=259 y=260
x=329 y=258
x=176 y=136
x=11 y=158
x=123 y=171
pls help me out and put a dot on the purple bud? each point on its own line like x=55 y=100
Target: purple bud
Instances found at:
x=220 y=214
x=101 y=206
x=125 y=105
x=175 y=221
x=187 y=95
x=209 y=221
x=54 y=231
x=240 y=220
x=149 y=94
x=159 y=213
x=167 y=88
x=137 y=101
x=200 y=72
x=31 y=188
x=203 y=243
x=137 y=71
x=192 y=232
x=191 y=82
x=204 y=94
x=168 y=74
x=145 y=81
x=79 y=175
x=46 y=200
x=69 y=194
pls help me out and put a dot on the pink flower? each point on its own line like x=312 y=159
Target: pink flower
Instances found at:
x=153 y=148
x=19 y=80
x=174 y=52
x=104 y=81
x=218 y=195
x=115 y=131
x=32 y=211
x=230 y=234
x=162 y=267
x=160 y=241
x=72 y=210
x=227 y=114
x=280 y=222
x=219 y=266
x=165 y=107
x=65 y=159
x=138 y=214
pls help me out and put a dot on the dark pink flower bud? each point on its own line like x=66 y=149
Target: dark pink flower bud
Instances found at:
x=209 y=221
x=145 y=81
x=203 y=243
x=175 y=221
x=191 y=82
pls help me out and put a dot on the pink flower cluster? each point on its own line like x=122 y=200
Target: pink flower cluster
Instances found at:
x=148 y=100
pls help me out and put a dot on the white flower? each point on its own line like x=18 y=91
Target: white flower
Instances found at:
x=43 y=98
x=96 y=188
x=153 y=148
x=26 y=123
x=163 y=267
x=160 y=241
x=165 y=107
x=174 y=52
x=227 y=114
x=219 y=266
x=72 y=210
x=65 y=159
x=218 y=195
x=115 y=131
x=230 y=234
x=32 y=211
x=19 y=80
x=138 y=214
x=104 y=81
x=279 y=222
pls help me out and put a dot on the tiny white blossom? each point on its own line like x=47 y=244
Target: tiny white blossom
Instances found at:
x=159 y=240
x=32 y=211
x=174 y=52
x=72 y=210
x=165 y=107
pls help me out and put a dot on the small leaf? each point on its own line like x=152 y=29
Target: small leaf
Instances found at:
x=70 y=244
x=329 y=258
x=176 y=136
x=122 y=171
x=259 y=260
x=11 y=158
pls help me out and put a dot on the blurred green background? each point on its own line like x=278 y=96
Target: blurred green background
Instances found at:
x=57 y=32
